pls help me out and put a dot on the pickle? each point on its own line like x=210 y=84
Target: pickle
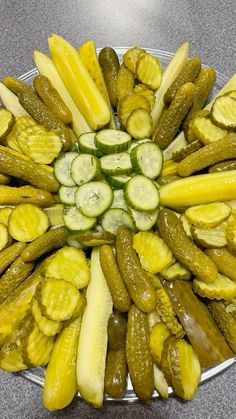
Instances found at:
x=167 y=179
x=16 y=86
x=115 y=373
x=44 y=116
x=125 y=82
x=204 y=335
x=28 y=171
x=230 y=232
x=27 y=222
x=128 y=104
x=138 y=354
x=185 y=368
x=24 y=135
x=8 y=255
x=54 y=214
x=52 y=99
x=176 y=272
x=95 y=238
x=117 y=288
x=208 y=215
x=223 y=112
x=222 y=288
x=174 y=115
x=60 y=383
x=225 y=261
x=211 y=153
x=143 y=90
x=188 y=74
x=10 y=195
x=188 y=131
x=131 y=57
x=21 y=122
x=116 y=330
x=37 y=348
x=225 y=320
x=13 y=277
x=11 y=358
x=208 y=238
x=165 y=363
x=206 y=131
x=170 y=168
x=7 y=121
x=153 y=252
x=138 y=284
x=187 y=150
x=5 y=179
x=109 y=63
x=203 y=86
x=43 y=147
x=148 y=70
x=183 y=248
x=166 y=312
x=48 y=241
x=46 y=326
x=187 y=226
x=5 y=239
x=222 y=167
x=159 y=333
x=139 y=124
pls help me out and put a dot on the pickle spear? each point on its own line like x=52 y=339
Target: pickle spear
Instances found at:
x=138 y=284
x=198 y=324
x=183 y=248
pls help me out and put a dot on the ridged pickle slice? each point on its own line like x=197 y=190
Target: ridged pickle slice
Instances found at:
x=165 y=310
x=149 y=71
x=44 y=147
x=176 y=272
x=7 y=121
x=27 y=222
x=223 y=112
x=11 y=358
x=125 y=82
x=23 y=137
x=37 y=348
x=131 y=57
x=206 y=131
x=221 y=289
x=128 y=104
x=159 y=333
x=210 y=237
x=143 y=90
x=21 y=122
x=46 y=326
x=208 y=215
x=139 y=124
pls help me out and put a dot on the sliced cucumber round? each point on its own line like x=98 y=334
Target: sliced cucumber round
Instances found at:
x=76 y=221
x=87 y=143
x=135 y=143
x=116 y=217
x=85 y=168
x=147 y=159
x=93 y=198
x=112 y=141
x=140 y=124
x=118 y=182
x=119 y=200
x=67 y=194
x=116 y=164
x=141 y=193
x=144 y=220
x=62 y=168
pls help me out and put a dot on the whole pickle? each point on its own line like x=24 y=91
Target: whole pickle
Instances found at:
x=115 y=373
x=224 y=260
x=116 y=329
x=221 y=167
x=110 y=65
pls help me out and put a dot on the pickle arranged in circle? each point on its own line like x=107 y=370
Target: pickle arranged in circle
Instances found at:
x=138 y=284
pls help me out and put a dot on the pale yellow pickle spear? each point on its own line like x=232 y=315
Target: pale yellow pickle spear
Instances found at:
x=78 y=81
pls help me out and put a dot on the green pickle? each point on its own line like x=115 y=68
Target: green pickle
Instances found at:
x=138 y=354
x=224 y=260
x=109 y=63
x=183 y=248
x=186 y=151
x=52 y=99
x=8 y=255
x=125 y=82
x=225 y=320
x=16 y=86
x=173 y=117
x=95 y=238
x=222 y=167
x=116 y=329
x=14 y=276
x=136 y=279
x=188 y=74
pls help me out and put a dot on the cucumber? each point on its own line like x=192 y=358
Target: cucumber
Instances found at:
x=116 y=164
x=112 y=141
x=93 y=198
x=91 y=356
x=62 y=168
x=84 y=168
x=144 y=220
x=119 y=200
x=136 y=143
x=75 y=220
x=141 y=193
x=67 y=194
x=116 y=217
x=87 y=143
x=118 y=182
x=147 y=159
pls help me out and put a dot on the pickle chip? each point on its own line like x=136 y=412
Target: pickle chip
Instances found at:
x=131 y=57
x=148 y=71
x=27 y=222
x=221 y=289
x=223 y=112
x=7 y=121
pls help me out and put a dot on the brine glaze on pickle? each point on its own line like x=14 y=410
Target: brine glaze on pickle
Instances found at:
x=138 y=284
x=109 y=63
x=116 y=330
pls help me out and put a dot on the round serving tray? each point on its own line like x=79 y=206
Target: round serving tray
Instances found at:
x=36 y=375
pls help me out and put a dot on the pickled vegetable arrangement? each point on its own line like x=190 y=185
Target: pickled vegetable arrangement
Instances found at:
x=117 y=223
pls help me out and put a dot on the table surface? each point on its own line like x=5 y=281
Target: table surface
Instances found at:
x=161 y=24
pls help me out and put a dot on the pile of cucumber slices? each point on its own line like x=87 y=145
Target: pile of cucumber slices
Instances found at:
x=108 y=179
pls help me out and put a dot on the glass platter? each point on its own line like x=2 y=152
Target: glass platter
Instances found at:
x=36 y=375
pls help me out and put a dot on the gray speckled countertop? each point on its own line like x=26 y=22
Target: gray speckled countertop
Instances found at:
x=162 y=24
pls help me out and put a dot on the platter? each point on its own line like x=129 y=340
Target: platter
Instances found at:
x=36 y=375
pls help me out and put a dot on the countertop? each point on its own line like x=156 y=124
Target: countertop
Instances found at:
x=162 y=24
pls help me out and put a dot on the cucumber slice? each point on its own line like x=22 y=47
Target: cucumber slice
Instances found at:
x=116 y=217
x=84 y=168
x=87 y=143
x=136 y=143
x=67 y=194
x=144 y=220
x=112 y=141
x=94 y=198
x=119 y=200
x=62 y=168
x=147 y=159
x=116 y=164
x=118 y=182
x=76 y=221
x=141 y=193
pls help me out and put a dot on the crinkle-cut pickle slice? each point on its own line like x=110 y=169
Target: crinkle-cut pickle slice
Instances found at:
x=208 y=215
x=221 y=289
x=27 y=222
